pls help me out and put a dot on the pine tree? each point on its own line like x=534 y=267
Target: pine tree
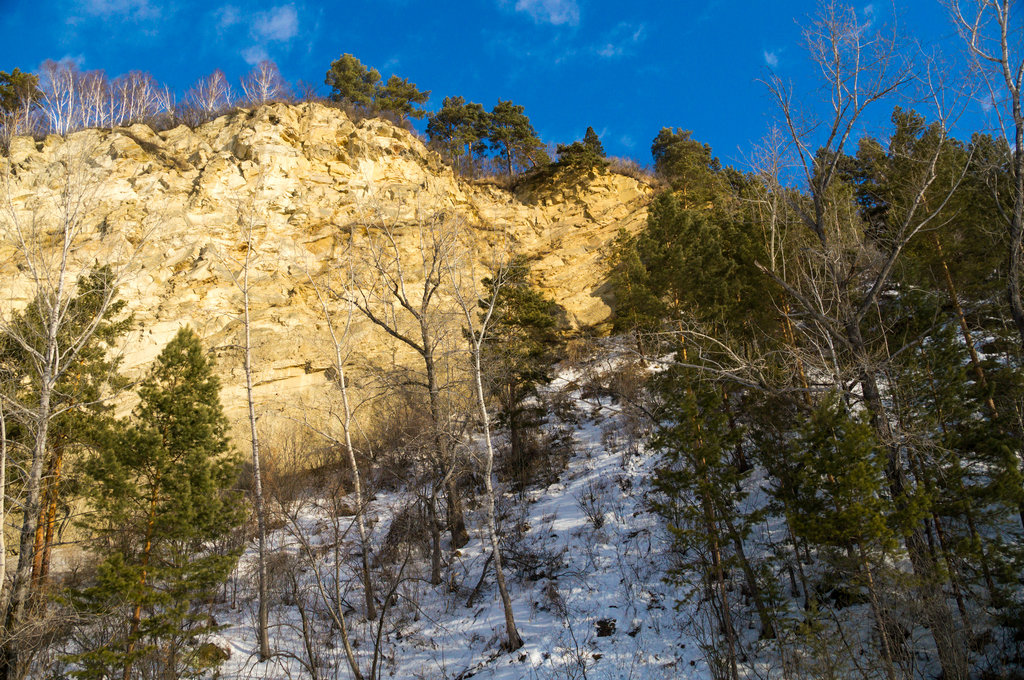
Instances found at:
x=78 y=395
x=701 y=497
x=19 y=97
x=688 y=165
x=17 y=90
x=692 y=263
x=352 y=82
x=161 y=498
x=586 y=154
x=513 y=137
x=842 y=505
x=524 y=341
x=593 y=142
x=459 y=130
x=400 y=96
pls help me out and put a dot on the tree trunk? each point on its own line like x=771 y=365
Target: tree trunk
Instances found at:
x=725 y=613
x=3 y=505
x=21 y=585
x=513 y=640
x=263 y=620
x=979 y=373
x=767 y=628
x=136 y=620
x=1017 y=222
x=371 y=608
x=456 y=519
x=435 y=538
x=876 y=611
x=48 y=518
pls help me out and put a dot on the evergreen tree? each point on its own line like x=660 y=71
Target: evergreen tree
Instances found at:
x=701 y=495
x=459 y=130
x=18 y=90
x=400 y=96
x=593 y=142
x=352 y=82
x=525 y=339
x=688 y=166
x=693 y=263
x=19 y=99
x=77 y=399
x=842 y=505
x=513 y=137
x=587 y=154
x=161 y=498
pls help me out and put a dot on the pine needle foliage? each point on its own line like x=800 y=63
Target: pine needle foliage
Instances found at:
x=162 y=501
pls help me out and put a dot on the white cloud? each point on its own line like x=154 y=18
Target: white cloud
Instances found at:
x=227 y=16
x=771 y=59
x=279 y=24
x=555 y=12
x=254 y=55
x=621 y=40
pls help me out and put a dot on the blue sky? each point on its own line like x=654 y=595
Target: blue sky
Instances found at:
x=627 y=68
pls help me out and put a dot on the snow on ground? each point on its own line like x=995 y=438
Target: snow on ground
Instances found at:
x=586 y=577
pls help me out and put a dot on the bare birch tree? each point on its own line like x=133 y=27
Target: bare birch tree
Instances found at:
x=328 y=290
x=45 y=238
x=240 y=272
x=136 y=97
x=462 y=273
x=264 y=83
x=207 y=97
x=61 y=97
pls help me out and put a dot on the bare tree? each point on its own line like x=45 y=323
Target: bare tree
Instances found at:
x=61 y=97
x=95 y=100
x=3 y=501
x=240 y=272
x=841 y=272
x=264 y=83
x=465 y=289
x=45 y=237
x=404 y=300
x=993 y=31
x=326 y=291
x=208 y=96
x=136 y=97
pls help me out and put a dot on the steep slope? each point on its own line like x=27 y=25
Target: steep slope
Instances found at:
x=302 y=175
x=586 y=560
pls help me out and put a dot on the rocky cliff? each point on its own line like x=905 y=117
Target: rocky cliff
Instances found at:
x=172 y=207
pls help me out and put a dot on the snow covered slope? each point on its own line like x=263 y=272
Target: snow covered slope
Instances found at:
x=586 y=558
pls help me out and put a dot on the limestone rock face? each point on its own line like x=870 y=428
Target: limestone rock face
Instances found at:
x=171 y=207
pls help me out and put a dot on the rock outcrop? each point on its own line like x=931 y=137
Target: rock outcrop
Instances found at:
x=172 y=206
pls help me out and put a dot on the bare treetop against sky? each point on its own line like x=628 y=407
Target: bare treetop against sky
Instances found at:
x=625 y=68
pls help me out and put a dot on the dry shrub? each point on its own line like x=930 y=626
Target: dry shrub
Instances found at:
x=591 y=501
x=630 y=168
x=399 y=437
x=409 y=532
x=579 y=350
x=290 y=454
x=545 y=456
x=357 y=113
